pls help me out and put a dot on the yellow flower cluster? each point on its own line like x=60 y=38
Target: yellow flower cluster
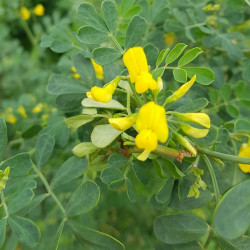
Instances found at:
x=244 y=152
x=39 y=10
x=151 y=121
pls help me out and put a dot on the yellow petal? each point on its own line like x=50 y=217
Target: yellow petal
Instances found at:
x=153 y=117
x=194 y=132
x=123 y=123
x=200 y=118
x=136 y=62
x=143 y=156
x=98 y=70
x=39 y=10
x=25 y=14
x=145 y=81
x=244 y=152
x=147 y=140
x=37 y=108
x=181 y=91
x=22 y=112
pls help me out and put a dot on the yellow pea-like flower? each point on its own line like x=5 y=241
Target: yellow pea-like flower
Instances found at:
x=123 y=123
x=25 y=14
x=11 y=118
x=151 y=123
x=22 y=112
x=39 y=10
x=103 y=94
x=37 y=108
x=194 y=132
x=200 y=118
x=98 y=70
x=244 y=152
x=75 y=75
x=136 y=62
x=181 y=91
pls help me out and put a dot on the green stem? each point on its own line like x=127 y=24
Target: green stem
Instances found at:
x=50 y=192
x=226 y=157
x=144 y=97
x=213 y=177
x=209 y=238
x=28 y=32
x=138 y=100
x=116 y=43
x=5 y=208
x=128 y=103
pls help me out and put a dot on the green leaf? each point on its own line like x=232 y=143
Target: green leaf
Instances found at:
x=193 y=106
x=83 y=199
x=19 y=200
x=69 y=171
x=85 y=68
x=110 y=14
x=232 y=217
x=19 y=164
x=3 y=136
x=209 y=139
x=184 y=246
x=163 y=195
x=180 y=75
x=135 y=10
x=105 y=56
x=69 y=102
x=151 y=53
x=113 y=104
x=169 y=167
x=204 y=76
x=189 y=56
x=136 y=29
x=59 y=85
x=116 y=160
x=61 y=46
x=26 y=230
x=232 y=110
x=140 y=169
x=162 y=56
x=89 y=15
x=95 y=239
x=109 y=175
x=84 y=148
x=125 y=6
x=90 y=35
x=2 y=231
x=130 y=190
x=75 y=122
x=182 y=228
x=225 y=92
x=103 y=135
x=34 y=203
x=158 y=72
x=242 y=125
x=44 y=147
x=242 y=243
x=175 y=52
x=56 y=241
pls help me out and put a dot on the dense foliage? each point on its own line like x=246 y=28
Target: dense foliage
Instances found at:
x=124 y=124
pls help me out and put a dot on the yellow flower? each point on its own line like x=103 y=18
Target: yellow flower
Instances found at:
x=22 y=112
x=169 y=38
x=25 y=14
x=151 y=124
x=244 y=152
x=181 y=91
x=194 y=132
x=75 y=75
x=123 y=123
x=136 y=62
x=11 y=118
x=37 y=108
x=200 y=118
x=98 y=70
x=39 y=10
x=103 y=94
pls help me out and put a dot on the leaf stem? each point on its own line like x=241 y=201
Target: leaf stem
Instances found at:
x=116 y=43
x=4 y=205
x=209 y=238
x=128 y=103
x=226 y=157
x=213 y=177
x=50 y=192
x=28 y=32
x=138 y=100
